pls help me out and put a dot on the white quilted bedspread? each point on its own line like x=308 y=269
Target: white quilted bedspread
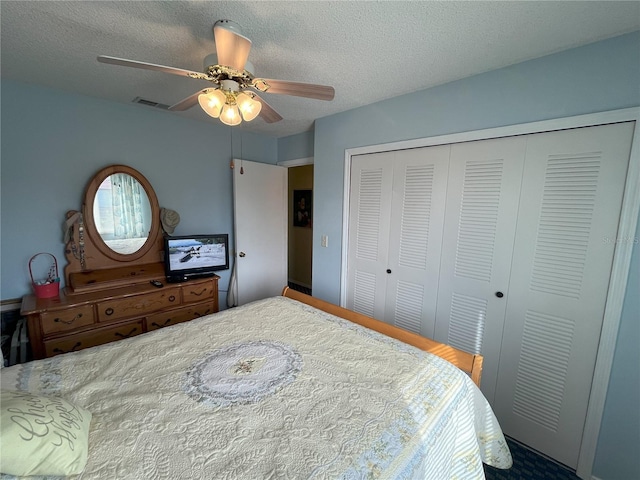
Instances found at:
x=271 y=390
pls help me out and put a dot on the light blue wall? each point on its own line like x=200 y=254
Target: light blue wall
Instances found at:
x=597 y=77
x=296 y=146
x=618 y=454
x=53 y=142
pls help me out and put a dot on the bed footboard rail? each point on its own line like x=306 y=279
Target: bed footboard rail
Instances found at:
x=465 y=361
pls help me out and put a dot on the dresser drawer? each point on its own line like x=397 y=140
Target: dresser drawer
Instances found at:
x=64 y=320
x=179 y=315
x=198 y=291
x=138 y=305
x=72 y=343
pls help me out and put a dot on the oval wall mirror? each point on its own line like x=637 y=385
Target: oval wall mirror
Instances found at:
x=121 y=213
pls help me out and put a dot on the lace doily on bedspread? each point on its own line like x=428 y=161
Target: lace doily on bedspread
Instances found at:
x=243 y=373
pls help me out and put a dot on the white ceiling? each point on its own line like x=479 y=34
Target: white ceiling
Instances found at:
x=368 y=51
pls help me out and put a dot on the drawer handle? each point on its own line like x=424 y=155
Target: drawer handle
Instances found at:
x=167 y=322
x=197 y=294
x=78 y=316
x=73 y=349
x=172 y=298
x=198 y=314
x=109 y=311
x=126 y=335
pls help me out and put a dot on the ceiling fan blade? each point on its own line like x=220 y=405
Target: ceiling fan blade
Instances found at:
x=232 y=47
x=267 y=112
x=298 y=89
x=151 y=66
x=187 y=103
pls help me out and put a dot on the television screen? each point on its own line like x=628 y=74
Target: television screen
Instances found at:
x=195 y=255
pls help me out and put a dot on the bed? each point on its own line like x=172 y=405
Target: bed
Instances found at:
x=286 y=387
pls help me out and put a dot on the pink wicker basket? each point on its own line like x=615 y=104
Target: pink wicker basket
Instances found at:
x=49 y=287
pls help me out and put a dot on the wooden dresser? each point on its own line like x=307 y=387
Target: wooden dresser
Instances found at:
x=108 y=294
x=73 y=322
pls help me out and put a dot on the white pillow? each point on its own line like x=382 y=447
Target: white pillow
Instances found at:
x=42 y=435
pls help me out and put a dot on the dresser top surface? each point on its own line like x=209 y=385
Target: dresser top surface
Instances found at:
x=32 y=305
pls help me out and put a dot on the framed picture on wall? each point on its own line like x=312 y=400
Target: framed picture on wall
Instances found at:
x=302 y=208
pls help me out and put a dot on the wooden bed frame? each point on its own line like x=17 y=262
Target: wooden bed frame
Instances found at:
x=467 y=362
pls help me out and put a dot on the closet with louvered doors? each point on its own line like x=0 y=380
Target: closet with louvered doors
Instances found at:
x=563 y=251
x=515 y=239
x=430 y=237
x=395 y=235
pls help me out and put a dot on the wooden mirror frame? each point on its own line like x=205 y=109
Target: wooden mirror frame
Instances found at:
x=92 y=265
x=89 y=221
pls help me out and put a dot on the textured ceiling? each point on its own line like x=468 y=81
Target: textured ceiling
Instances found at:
x=368 y=51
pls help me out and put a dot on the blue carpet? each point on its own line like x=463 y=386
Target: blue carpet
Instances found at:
x=529 y=465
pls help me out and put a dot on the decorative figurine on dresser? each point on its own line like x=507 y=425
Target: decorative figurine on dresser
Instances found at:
x=115 y=276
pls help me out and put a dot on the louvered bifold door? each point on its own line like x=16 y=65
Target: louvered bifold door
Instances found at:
x=480 y=222
x=417 y=218
x=368 y=246
x=563 y=252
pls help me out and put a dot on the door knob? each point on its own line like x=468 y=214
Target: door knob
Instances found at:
x=388 y=270
x=241 y=254
x=499 y=294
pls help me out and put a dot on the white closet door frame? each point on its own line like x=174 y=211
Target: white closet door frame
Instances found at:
x=621 y=260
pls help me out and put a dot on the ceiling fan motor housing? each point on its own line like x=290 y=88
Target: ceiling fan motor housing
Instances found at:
x=230 y=25
x=211 y=60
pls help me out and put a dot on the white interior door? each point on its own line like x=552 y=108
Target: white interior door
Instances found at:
x=369 y=216
x=260 y=212
x=480 y=223
x=415 y=243
x=563 y=252
x=395 y=231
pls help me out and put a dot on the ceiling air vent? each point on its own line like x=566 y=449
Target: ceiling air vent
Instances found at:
x=150 y=103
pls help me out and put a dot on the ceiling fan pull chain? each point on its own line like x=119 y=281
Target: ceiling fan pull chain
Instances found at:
x=241 y=156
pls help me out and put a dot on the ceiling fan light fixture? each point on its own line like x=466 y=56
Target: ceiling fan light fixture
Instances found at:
x=230 y=115
x=249 y=108
x=212 y=102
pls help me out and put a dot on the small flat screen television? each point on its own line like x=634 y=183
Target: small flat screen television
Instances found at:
x=193 y=256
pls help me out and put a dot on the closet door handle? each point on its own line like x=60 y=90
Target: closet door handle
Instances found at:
x=499 y=294
x=388 y=270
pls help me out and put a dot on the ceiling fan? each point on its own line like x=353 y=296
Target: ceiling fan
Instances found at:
x=232 y=98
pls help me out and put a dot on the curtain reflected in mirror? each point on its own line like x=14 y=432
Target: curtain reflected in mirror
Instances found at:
x=122 y=213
